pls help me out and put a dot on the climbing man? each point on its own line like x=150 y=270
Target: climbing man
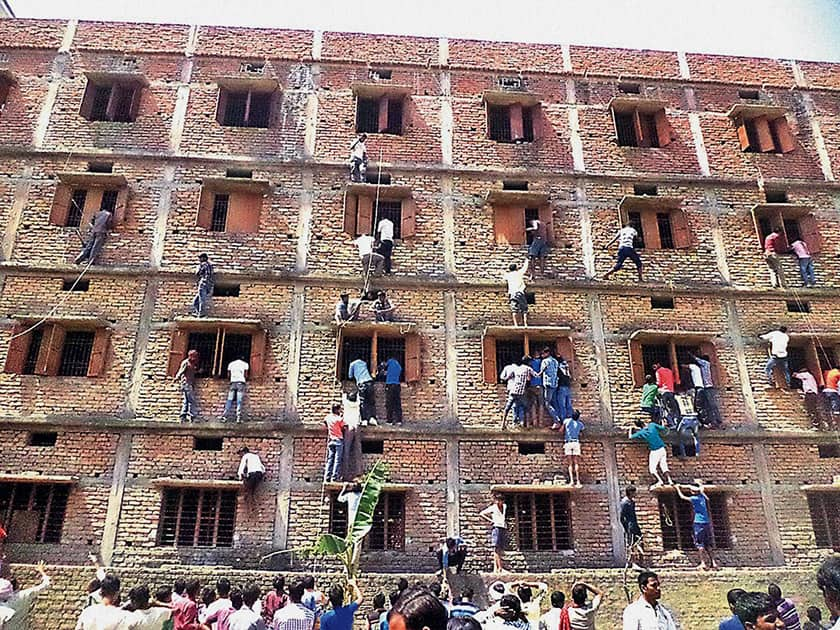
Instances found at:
x=371 y=261
x=238 y=370
x=345 y=310
x=358 y=371
x=383 y=309
x=100 y=223
x=358 y=159
x=185 y=377
x=771 y=258
x=495 y=514
x=665 y=383
x=658 y=457
x=779 y=340
x=626 y=237
x=633 y=537
x=251 y=470
x=385 y=235
x=515 y=278
x=806 y=263
x=205 y=279
x=703 y=534
x=538 y=249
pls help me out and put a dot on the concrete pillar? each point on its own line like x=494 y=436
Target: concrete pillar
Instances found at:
x=18 y=204
x=734 y=334
x=304 y=224
x=596 y=319
x=448 y=207
x=284 y=493
x=451 y=324
x=162 y=216
x=446 y=119
x=296 y=314
x=453 y=486
x=774 y=536
x=141 y=346
x=613 y=500
x=182 y=98
x=713 y=210
x=574 y=127
x=115 y=498
x=586 y=242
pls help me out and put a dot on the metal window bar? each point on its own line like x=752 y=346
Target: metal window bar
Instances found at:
x=36 y=337
x=192 y=517
x=338 y=516
x=353 y=348
x=792 y=230
x=367 y=115
x=635 y=221
x=508 y=351
x=391 y=347
x=77 y=208
x=676 y=521
x=655 y=353
x=218 y=220
x=531 y=214
x=528 y=124
x=648 y=124
x=109 y=200
x=395 y=116
x=205 y=344
x=101 y=96
x=48 y=500
x=625 y=129
x=75 y=353
x=125 y=97
x=825 y=519
x=235 y=109
x=666 y=235
x=388 y=530
x=391 y=210
x=235 y=346
x=498 y=123
x=259 y=109
x=542 y=521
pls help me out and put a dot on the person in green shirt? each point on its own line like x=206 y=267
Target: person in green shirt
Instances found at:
x=658 y=458
x=649 y=391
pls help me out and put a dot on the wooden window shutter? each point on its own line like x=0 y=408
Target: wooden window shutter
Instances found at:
x=5 y=88
x=812 y=362
x=757 y=225
x=122 y=205
x=762 y=133
x=93 y=203
x=408 y=218
x=782 y=244
x=615 y=124
x=244 y=212
x=743 y=136
x=177 y=350
x=787 y=141
x=663 y=128
x=204 y=216
x=86 y=109
x=351 y=203
x=680 y=230
x=136 y=96
x=18 y=349
x=339 y=377
x=565 y=348
x=708 y=348
x=641 y=139
x=637 y=365
x=516 y=130
x=547 y=219
x=364 y=216
x=810 y=232
x=256 y=362
x=382 y=124
x=99 y=353
x=49 y=358
x=509 y=225
x=221 y=105
x=650 y=230
x=412 y=358
x=61 y=204
x=488 y=359
x=114 y=100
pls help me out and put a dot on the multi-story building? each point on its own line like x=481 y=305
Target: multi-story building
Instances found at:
x=234 y=142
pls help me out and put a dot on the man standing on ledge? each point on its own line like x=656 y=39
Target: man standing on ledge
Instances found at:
x=495 y=515
x=625 y=237
x=358 y=159
x=205 y=278
x=515 y=278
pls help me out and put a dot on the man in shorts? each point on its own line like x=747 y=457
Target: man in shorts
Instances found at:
x=703 y=536
x=515 y=278
x=658 y=458
x=633 y=536
x=495 y=515
x=625 y=237
x=571 y=447
x=538 y=249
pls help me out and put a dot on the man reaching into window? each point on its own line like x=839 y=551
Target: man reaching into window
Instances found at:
x=238 y=369
x=385 y=234
x=515 y=278
x=358 y=159
x=703 y=536
x=626 y=237
x=771 y=258
x=251 y=470
x=186 y=379
x=99 y=226
x=539 y=248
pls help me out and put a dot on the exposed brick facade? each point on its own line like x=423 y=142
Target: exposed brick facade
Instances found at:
x=118 y=433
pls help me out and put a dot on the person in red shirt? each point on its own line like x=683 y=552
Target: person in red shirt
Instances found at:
x=185 y=610
x=772 y=245
x=665 y=382
x=335 y=444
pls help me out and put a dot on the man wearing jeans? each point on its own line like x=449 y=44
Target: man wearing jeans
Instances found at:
x=665 y=383
x=771 y=258
x=393 y=400
x=626 y=238
x=779 y=340
x=517 y=377
x=806 y=263
x=549 y=368
x=335 y=444
x=205 y=278
x=237 y=370
x=186 y=378
x=358 y=371
x=99 y=226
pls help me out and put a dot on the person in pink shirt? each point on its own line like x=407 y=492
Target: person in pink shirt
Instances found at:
x=665 y=382
x=220 y=616
x=811 y=393
x=185 y=610
x=806 y=263
x=335 y=444
x=772 y=244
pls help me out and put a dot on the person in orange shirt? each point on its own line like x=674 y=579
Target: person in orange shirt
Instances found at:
x=832 y=381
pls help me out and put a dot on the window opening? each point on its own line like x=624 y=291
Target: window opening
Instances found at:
x=511 y=184
x=666 y=235
x=635 y=221
x=509 y=351
x=197 y=517
x=101 y=96
x=527 y=124
x=542 y=521
x=655 y=353
x=798 y=307
x=644 y=189
x=77 y=208
x=825 y=518
x=531 y=448
x=630 y=88
x=353 y=348
x=207 y=443
x=625 y=129
x=388 y=531
x=239 y=172
x=498 y=120
x=75 y=285
x=792 y=229
x=109 y=200
x=827 y=451
x=387 y=347
x=373 y=447
x=379 y=74
x=647 y=121
x=36 y=338
x=531 y=215
x=221 y=203
x=751 y=95
x=775 y=196
x=205 y=344
x=225 y=290
x=395 y=116
x=391 y=210
x=33 y=512
x=367 y=115
x=43 y=438
x=100 y=167
x=75 y=353
x=676 y=519
x=662 y=302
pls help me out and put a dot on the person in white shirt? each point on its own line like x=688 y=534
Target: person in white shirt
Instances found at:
x=238 y=370
x=351 y=448
x=107 y=615
x=14 y=611
x=779 y=340
x=828 y=581
x=495 y=515
x=810 y=391
x=146 y=616
x=245 y=618
x=385 y=232
x=371 y=261
x=515 y=279
x=222 y=602
x=646 y=613
x=251 y=469
x=358 y=159
x=551 y=619
x=581 y=614
x=626 y=238
x=530 y=600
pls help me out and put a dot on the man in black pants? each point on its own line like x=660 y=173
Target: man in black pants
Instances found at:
x=251 y=469
x=632 y=532
x=452 y=553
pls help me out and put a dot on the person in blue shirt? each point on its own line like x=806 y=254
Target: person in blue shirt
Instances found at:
x=732 y=623
x=703 y=534
x=392 y=370
x=534 y=395
x=571 y=448
x=358 y=372
x=547 y=367
x=341 y=616
x=658 y=458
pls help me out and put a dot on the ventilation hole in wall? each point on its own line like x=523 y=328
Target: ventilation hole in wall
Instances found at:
x=514 y=184
x=828 y=450
x=662 y=302
x=630 y=88
x=239 y=172
x=751 y=95
x=645 y=189
x=373 y=447
x=530 y=298
x=798 y=306
x=775 y=196
x=531 y=448
x=100 y=167
x=43 y=438
x=226 y=290
x=81 y=285
x=207 y=443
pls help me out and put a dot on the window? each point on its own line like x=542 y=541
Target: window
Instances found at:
x=812 y=353
x=110 y=99
x=511 y=123
x=362 y=213
x=45 y=439
x=511 y=221
x=630 y=88
x=531 y=448
x=225 y=290
x=512 y=83
x=5 y=87
x=207 y=443
x=231 y=206
x=77 y=205
x=79 y=198
x=197 y=517
x=669 y=351
x=513 y=184
x=75 y=285
x=541 y=521
x=639 y=124
x=379 y=74
x=100 y=167
x=764 y=132
x=382 y=114
x=33 y=512
x=662 y=302
x=377 y=346
x=244 y=108
x=241 y=173
x=660 y=225
x=388 y=531
x=750 y=95
x=775 y=196
x=825 y=518
x=508 y=345
x=373 y=447
x=798 y=307
x=793 y=222
x=58 y=349
x=676 y=518
x=645 y=189
x=217 y=346
x=826 y=451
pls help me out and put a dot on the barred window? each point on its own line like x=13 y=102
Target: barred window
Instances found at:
x=367 y=115
x=220 y=212
x=212 y=345
x=541 y=521
x=825 y=518
x=33 y=512
x=244 y=108
x=388 y=531
x=676 y=518
x=75 y=353
x=77 y=207
x=197 y=517
x=508 y=351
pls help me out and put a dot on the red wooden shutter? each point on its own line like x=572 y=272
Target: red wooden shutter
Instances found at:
x=637 y=365
x=515 y=113
x=49 y=358
x=244 y=212
x=650 y=230
x=812 y=362
x=382 y=124
x=743 y=136
x=408 y=219
x=708 y=348
x=93 y=203
x=221 y=105
x=787 y=141
x=256 y=363
x=757 y=226
x=762 y=132
x=565 y=348
x=177 y=350
x=351 y=208
x=488 y=360
x=663 y=128
x=641 y=139
x=122 y=205
x=364 y=217
x=135 y=101
x=61 y=204
x=547 y=219
x=86 y=109
x=680 y=230
x=98 y=354
x=412 y=358
x=782 y=244
x=18 y=349
x=204 y=216
x=810 y=232
x=114 y=100
x=509 y=223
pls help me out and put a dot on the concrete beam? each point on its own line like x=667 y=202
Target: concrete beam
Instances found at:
x=284 y=493
x=18 y=204
x=115 y=498
x=771 y=522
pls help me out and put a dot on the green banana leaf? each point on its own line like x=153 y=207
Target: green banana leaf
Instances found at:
x=372 y=488
x=328 y=545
